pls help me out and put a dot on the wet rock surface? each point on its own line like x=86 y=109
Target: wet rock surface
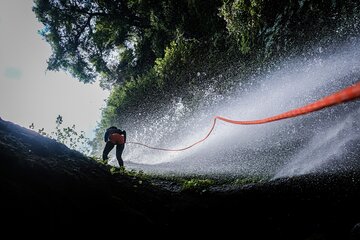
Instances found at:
x=48 y=188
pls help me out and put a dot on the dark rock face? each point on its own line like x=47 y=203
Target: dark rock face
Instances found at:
x=355 y=232
x=47 y=188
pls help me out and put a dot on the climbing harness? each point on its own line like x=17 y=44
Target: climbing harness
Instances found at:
x=117 y=138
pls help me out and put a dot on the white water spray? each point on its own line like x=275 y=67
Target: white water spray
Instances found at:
x=327 y=139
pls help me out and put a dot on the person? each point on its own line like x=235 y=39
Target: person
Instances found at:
x=114 y=136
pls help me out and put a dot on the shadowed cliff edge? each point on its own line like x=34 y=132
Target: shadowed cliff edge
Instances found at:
x=46 y=187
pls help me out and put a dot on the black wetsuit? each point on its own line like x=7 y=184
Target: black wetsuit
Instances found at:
x=109 y=145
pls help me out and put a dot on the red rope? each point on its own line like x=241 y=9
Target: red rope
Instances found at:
x=344 y=95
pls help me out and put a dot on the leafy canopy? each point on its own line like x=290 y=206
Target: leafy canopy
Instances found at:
x=115 y=40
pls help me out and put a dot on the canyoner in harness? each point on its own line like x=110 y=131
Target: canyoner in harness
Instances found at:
x=114 y=136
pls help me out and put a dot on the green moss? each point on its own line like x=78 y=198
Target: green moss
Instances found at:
x=196 y=184
x=139 y=175
x=187 y=183
x=98 y=160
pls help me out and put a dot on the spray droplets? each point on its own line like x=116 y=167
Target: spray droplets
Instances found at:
x=315 y=142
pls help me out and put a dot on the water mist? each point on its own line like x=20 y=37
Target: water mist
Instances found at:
x=327 y=140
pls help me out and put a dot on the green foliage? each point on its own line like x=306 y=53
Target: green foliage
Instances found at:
x=138 y=176
x=67 y=135
x=120 y=39
x=249 y=180
x=115 y=170
x=177 y=54
x=196 y=184
x=244 y=20
x=70 y=136
x=264 y=27
x=98 y=160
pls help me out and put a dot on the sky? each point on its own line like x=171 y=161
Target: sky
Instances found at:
x=28 y=92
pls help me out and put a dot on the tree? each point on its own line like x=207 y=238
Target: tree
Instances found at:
x=115 y=40
x=86 y=36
